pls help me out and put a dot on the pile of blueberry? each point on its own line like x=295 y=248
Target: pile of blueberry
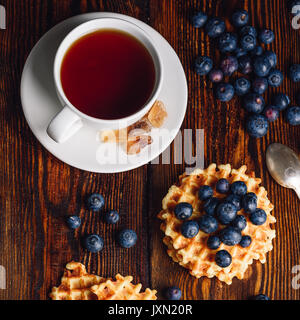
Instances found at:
x=93 y=242
x=222 y=212
x=243 y=53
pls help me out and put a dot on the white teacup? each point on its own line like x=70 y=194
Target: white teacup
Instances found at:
x=68 y=121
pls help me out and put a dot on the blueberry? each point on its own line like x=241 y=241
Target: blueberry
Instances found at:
x=189 y=229
x=214 y=27
x=127 y=238
x=239 y=52
x=266 y=36
x=248 y=30
x=93 y=243
x=226 y=212
x=223 y=258
x=258 y=217
x=111 y=217
x=183 y=210
x=203 y=65
x=295 y=7
x=249 y=202
x=275 y=78
x=222 y=186
x=260 y=85
x=245 y=241
x=293 y=115
x=245 y=64
x=95 y=202
x=173 y=293
x=271 y=113
x=271 y=57
x=227 y=42
x=257 y=125
x=240 y=18
x=216 y=75
x=239 y=223
x=295 y=72
x=213 y=242
x=234 y=199
x=248 y=42
x=224 y=92
x=230 y=236
x=254 y=103
x=261 y=66
x=73 y=222
x=205 y=192
x=208 y=224
x=229 y=65
x=281 y=101
x=298 y=98
x=199 y=19
x=239 y=188
x=241 y=86
x=257 y=51
x=210 y=205
x=261 y=297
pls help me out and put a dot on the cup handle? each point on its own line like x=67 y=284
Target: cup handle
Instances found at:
x=64 y=125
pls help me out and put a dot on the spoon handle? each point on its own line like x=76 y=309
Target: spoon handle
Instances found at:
x=297 y=190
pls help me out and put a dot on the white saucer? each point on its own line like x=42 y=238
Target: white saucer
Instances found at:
x=84 y=150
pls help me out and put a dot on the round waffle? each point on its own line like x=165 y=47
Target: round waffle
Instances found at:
x=194 y=254
x=122 y=289
x=77 y=284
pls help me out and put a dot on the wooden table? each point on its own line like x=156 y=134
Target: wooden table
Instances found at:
x=38 y=191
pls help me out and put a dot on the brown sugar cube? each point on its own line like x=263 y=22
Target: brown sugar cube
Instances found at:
x=135 y=147
x=157 y=114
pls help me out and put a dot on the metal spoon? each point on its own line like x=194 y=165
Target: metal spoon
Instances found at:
x=284 y=166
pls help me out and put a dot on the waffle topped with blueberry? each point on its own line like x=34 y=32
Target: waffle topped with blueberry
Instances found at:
x=77 y=284
x=216 y=221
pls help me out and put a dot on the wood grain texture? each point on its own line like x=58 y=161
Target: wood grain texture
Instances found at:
x=37 y=191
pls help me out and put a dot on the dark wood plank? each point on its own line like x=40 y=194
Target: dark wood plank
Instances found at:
x=226 y=142
x=37 y=191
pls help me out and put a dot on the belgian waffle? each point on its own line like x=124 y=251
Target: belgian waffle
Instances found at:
x=122 y=289
x=77 y=284
x=194 y=254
